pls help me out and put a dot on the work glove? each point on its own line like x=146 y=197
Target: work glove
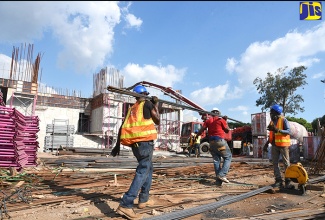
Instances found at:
x=265 y=148
x=225 y=117
x=116 y=150
x=154 y=99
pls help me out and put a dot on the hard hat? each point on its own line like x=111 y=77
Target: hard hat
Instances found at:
x=277 y=108
x=140 y=89
x=215 y=110
x=196 y=131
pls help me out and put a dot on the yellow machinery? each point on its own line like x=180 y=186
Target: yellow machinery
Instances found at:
x=297 y=174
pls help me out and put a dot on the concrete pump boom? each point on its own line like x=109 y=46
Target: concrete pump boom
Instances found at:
x=194 y=107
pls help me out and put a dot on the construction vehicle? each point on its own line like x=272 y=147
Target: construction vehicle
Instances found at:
x=240 y=136
x=186 y=127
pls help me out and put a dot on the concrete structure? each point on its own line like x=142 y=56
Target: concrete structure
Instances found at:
x=69 y=120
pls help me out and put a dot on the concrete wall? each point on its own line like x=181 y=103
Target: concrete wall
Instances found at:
x=47 y=116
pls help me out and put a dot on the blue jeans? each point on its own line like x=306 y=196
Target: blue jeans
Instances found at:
x=276 y=152
x=143 y=175
x=220 y=149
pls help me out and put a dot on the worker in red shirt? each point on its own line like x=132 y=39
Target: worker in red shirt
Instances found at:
x=217 y=127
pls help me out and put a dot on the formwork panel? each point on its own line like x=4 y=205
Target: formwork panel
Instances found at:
x=310 y=146
x=259 y=123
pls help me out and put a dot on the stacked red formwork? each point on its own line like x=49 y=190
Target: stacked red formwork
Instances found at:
x=15 y=139
x=311 y=144
x=260 y=121
x=30 y=140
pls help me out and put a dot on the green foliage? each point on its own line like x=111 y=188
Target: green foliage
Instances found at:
x=301 y=121
x=280 y=88
x=315 y=122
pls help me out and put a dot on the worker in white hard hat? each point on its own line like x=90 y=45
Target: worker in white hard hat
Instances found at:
x=217 y=127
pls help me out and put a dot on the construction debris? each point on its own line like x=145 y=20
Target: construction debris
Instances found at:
x=182 y=188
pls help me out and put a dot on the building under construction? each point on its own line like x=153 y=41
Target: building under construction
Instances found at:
x=67 y=120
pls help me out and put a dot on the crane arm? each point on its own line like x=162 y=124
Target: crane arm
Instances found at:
x=199 y=110
x=170 y=92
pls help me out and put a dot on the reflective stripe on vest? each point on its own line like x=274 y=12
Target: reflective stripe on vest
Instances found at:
x=281 y=140
x=136 y=128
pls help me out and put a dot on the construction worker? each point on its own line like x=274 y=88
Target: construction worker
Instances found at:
x=138 y=131
x=217 y=127
x=194 y=144
x=190 y=142
x=279 y=138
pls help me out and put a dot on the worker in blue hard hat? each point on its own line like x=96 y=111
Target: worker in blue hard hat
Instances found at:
x=138 y=132
x=279 y=138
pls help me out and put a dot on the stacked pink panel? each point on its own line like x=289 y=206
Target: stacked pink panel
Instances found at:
x=18 y=139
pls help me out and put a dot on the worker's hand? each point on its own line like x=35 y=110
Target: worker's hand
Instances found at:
x=225 y=117
x=271 y=127
x=154 y=99
x=265 y=148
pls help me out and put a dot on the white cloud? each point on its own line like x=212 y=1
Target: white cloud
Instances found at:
x=318 y=75
x=219 y=93
x=292 y=50
x=231 y=64
x=203 y=96
x=133 y=21
x=130 y=19
x=85 y=30
x=165 y=76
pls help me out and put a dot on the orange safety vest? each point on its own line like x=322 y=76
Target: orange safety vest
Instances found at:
x=281 y=140
x=136 y=128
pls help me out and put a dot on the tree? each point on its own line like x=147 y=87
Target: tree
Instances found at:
x=315 y=122
x=280 y=88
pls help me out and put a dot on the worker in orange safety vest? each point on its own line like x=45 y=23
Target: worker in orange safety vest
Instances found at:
x=279 y=137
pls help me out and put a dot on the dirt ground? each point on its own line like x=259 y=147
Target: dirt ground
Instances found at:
x=57 y=190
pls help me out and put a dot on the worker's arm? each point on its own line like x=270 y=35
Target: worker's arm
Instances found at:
x=199 y=133
x=266 y=146
x=286 y=127
x=225 y=124
x=154 y=111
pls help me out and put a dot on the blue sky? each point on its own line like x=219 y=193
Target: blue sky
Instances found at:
x=211 y=50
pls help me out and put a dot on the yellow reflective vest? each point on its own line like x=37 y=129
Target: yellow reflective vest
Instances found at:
x=191 y=139
x=136 y=128
x=280 y=140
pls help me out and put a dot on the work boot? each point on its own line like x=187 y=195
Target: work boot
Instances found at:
x=145 y=204
x=128 y=212
x=218 y=183
x=223 y=179
x=288 y=185
x=278 y=183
